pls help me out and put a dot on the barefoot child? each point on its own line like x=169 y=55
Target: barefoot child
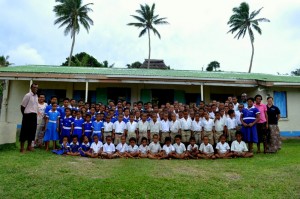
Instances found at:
x=197 y=128
x=208 y=128
x=85 y=146
x=239 y=148
x=65 y=147
x=77 y=126
x=107 y=127
x=231 y=125
x=206 y=150
x=122 y=147
x=180 y=150
x=168 y=151
x=143 y=148
x=87 y=127
x=66 y=124
x=154 y=148
x=143 y=129
x=223 y=148
x=96 y=148
x=131 y=128
x=97 y=127
x=119 y=129
x=74 y=147
x=51 y=131
x=219 y=127
x=192 y=149
x=133 y=149
x=109 y=150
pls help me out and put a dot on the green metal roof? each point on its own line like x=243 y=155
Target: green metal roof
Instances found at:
x=148 y=72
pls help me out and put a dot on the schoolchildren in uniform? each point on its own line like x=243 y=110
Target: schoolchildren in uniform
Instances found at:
x=66 y=124
x=131 y=128
x=154 y=126
x=239 y=148
x=180 y=149
x=206 y=149
x=186 y=125
x=112 y=115
x=168 y=150
x=165 y=128
x=77 y=126
x=109 y=150
x=208 y=127
x=154 y=148
x=143 y=148
x=219 y=127
x=143 y=128
x=96 y=148
x=51 y=130
x=175 y=127
x=231 y=125
x=107 y=127
x=97 y=127
x=133 y=149
x=52 y=101
x=122 y=147
x=87 y=127
x=197 y=128
x=64 y=149
x=126 y=115
x=193 y=149
x=223 y=148
x=74 y=147
x=119 y=129
x=138 y=116
x=85 y=146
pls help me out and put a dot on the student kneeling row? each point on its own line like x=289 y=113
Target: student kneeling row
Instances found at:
x=154 y=150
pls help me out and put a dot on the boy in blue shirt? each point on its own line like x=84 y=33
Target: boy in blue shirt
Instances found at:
x=97 y=127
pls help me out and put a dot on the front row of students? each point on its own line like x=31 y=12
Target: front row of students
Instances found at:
x=154 y=151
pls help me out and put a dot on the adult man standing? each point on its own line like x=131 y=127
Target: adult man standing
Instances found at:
x=29 y=108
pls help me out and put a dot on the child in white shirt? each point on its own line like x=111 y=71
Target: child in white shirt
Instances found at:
x=175 y=127
x=168 y=151
x=122 y=147
x=107 y=127
x=131 y=128
x=133 y=149
x=109 y=149
x=206 y=150
x=197 y=128
x=154 y=148
x=219 y=127
x=231 y=124
x=143 y=148
x=193 y=149
x=223 y=148
x=96 y=148
x=180 y=150
x=239 y=148
x=208 y=128
x=118 y=129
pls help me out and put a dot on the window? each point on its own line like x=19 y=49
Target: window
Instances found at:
x=280 y=102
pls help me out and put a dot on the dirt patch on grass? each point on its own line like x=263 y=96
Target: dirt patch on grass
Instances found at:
x=232 y=176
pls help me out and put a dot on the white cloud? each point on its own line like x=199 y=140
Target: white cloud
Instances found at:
x=24 y=54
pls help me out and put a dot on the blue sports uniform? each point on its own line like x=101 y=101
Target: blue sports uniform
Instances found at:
x=51 y=133
x=97 y=129
x=74 y=148
x=88 y=129
x=66 y=127
x=78 y=128
x=84 y=148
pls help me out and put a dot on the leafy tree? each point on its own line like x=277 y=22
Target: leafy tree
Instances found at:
x=72 y=14
x=4 y=61
x=296 y=72
x=85 y=60
x=146 y=20
x=136 y=64
x=213 y=65
x=243 y=21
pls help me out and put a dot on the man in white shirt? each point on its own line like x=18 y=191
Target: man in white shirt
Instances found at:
x=29 y=107
x=186 y=125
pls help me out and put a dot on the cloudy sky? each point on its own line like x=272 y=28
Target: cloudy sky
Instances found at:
x=196 y=35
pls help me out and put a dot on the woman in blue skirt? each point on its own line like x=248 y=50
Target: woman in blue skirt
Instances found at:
x=51 y=131
x=249 y=118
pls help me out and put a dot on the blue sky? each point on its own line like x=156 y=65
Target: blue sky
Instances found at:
x=197 y=34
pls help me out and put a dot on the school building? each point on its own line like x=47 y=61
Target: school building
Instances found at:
x=154 y=85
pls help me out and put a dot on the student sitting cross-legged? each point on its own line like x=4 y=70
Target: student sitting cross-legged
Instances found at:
x=122 y=147
x=109 y=149
x=132 y=149
x=180 y=150
x=193 y=149
x=223 y=148
x=143 y=148
x=65 y=147
x=206 y=150
x=239 y=148
x=85 y=146
x=154 y=148
x=168 y=150
x=96 y=148
x=74 y=147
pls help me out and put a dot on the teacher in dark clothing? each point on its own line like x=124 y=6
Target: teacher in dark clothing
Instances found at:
x=29 y=108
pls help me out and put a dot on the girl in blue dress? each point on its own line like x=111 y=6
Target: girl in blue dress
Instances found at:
x=65 y=147
x=85 y=146
x=87 y=127
x=51 y=130
x=249 y=118
x=66 y=125
x=77 y=126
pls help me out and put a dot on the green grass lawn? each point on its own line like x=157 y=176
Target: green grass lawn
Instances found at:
x=43 y=175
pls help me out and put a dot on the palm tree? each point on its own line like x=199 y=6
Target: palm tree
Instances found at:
x=147 y=19
x=72 y=14
x=4 y=61
x=242 y=21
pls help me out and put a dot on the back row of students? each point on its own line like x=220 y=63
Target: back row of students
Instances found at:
x=57 y=127
x=154 y=150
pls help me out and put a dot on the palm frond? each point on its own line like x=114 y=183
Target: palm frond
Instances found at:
x=156 y=32
x=142 y=20
x=143 y=32
x=257 y=28
x=139 y=25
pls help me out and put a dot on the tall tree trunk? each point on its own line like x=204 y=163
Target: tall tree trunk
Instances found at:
x=149 y=49
x=72 y=47
x=251 y=60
